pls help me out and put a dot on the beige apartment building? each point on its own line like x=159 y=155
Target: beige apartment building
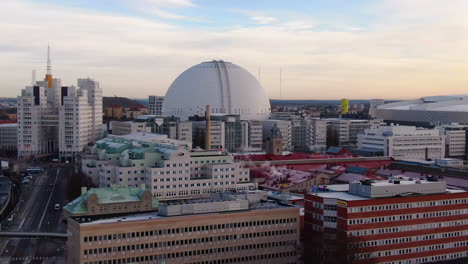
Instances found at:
x=199 y=231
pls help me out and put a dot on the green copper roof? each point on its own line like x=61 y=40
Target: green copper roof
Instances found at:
x=114 y=194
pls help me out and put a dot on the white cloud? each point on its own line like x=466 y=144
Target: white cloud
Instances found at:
x=160 y=8
x=263 y=20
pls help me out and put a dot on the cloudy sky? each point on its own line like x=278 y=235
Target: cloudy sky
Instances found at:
x=360 y=49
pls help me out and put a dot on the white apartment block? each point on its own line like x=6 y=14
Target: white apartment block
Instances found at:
x=167 y=167
x=8 y=136
x=404 y=142
x=38 y=119
x=80 y=117
x=308 y=134
x=285 y=127
x=127 y=127
x=58 y=119
x=315 y=134
x=251 y=136
x=155 y=105
x=455 y=140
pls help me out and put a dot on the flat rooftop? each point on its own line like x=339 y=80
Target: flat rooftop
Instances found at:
x=154 y=215
x=9 y=125
x=341 y=196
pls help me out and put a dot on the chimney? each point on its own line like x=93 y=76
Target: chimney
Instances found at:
x=84 y=190
x=208 y=128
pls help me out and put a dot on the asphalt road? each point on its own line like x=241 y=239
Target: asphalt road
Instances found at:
x=37 y=214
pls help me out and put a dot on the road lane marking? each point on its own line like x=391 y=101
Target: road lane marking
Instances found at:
x=32 y=199
x=48 y=201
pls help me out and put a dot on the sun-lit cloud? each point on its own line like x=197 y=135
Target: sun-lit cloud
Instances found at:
x=407 y=49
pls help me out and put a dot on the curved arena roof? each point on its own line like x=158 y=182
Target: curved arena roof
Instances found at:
x=226 y=87
x=432 y=110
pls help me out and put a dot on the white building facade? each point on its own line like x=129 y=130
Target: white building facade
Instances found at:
x=80 y=117
x=167 y=167
x=455 y=140
x=404 y=142
x=127 y=127
x=55 y=119
x=155 y=104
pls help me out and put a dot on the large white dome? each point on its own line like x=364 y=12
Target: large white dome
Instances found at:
x=226 y=87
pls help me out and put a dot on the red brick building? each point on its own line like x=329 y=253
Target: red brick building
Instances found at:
x=392 y=222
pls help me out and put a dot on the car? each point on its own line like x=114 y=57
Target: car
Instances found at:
x=51 y=184
x=57 y=207
x=25 y=181
x=48 y=190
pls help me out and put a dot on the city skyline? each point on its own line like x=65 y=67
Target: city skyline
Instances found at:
x=363 y=50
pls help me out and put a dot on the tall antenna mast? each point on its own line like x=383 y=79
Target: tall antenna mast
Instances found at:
x=48 y=76
x=49 y=64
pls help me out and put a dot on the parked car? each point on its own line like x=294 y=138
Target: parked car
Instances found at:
x=57 y=207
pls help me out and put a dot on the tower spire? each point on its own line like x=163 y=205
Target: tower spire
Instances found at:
x=49 y=64
x=48 y=76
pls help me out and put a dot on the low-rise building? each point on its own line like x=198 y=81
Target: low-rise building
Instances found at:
x=343 y=132
x=9 y=136
x=455 y=140
x=307 y=134
x=111 y=201
x=217 y=230
x=113 y=112
x=230 y=133
x=127 y=127
x=448 y=162
x=134 y=111
x=170 y=126
x=285 y=127
x=403 y=142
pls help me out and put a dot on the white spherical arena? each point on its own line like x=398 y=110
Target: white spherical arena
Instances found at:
x=226 y=87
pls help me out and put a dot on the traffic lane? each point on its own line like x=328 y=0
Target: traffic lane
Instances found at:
x=30 y=193
x=39 y=203
x=35 y=209
x=53 y=218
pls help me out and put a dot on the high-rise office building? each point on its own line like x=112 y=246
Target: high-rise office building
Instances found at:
x=58 y=120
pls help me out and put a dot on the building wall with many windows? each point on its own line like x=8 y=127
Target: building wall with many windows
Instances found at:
x=393 y=229
x=262 y=234
x=166 y=166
